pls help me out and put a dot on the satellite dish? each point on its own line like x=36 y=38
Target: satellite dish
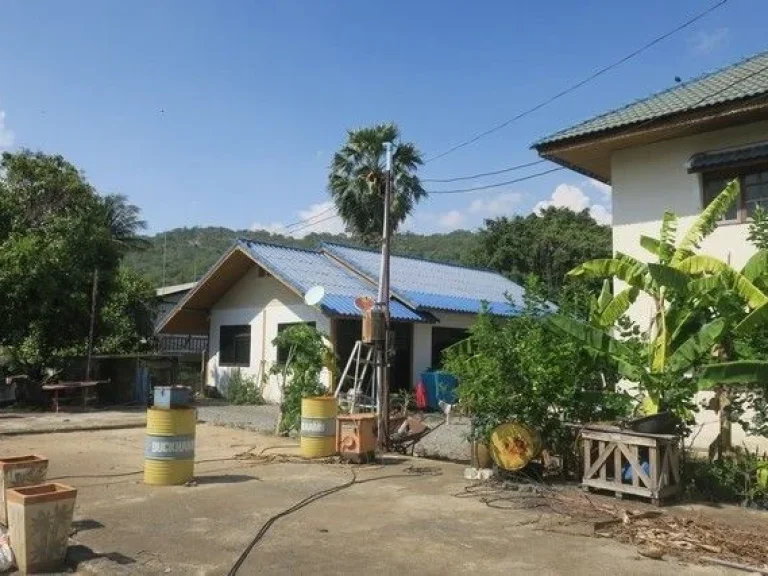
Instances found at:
x=314 y=295
x=364 y=303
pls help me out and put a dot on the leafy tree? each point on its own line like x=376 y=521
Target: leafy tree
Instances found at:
x=357 y=180
x=126 y=314
x=547 y=245
x=53 y=235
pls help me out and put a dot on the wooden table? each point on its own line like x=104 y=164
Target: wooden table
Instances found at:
x=653 y=461
x=88 y=388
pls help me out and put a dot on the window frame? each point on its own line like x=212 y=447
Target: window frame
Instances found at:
x=734 y=171
x=280 y=358
x=234 y=361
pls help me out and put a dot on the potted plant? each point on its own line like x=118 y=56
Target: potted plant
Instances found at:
x=39 y=521
x=20 y=471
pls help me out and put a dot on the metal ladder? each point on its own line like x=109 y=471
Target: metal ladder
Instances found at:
x=362 y=360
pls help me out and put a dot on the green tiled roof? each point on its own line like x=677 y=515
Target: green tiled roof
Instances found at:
x=745 y=79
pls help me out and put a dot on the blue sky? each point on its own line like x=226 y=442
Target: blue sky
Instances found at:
x=227 y=113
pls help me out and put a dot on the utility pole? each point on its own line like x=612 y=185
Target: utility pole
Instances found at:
x=165 y=249
x=382 y=348
x=89 y=351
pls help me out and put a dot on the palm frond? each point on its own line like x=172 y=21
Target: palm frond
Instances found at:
x=756 y=267
x=621 y=266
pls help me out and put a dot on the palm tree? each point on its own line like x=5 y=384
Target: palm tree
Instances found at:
x=124 y=223
x=356 y=181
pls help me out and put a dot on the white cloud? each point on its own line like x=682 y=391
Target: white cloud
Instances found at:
x=7 y=137
x=450 y=220
x=499 y=205
x=573 y=197
x=601 y=215
x=604 y=189
x=318 y=218
x=707 y=41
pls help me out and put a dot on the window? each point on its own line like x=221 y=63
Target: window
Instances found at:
x=282 y=351
x=235 y=345
x=442 y=338
x=754 y=190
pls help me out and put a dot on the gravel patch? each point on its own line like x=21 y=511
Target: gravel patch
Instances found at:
x=446 y=441
x=253 y=418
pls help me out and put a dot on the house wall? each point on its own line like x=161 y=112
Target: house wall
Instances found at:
x=648 y=180
x=262 y=303
x=422 y=338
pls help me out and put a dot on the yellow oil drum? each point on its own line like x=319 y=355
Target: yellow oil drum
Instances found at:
x=318 y=426
x=169 y=448
x=513 y=445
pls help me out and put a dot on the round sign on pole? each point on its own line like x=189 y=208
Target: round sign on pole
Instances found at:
x=364 y=303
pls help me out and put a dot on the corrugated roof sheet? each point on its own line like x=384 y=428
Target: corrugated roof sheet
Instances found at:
x=436 y=286
x=727 y=156
x=303 y=269
x=745 y=79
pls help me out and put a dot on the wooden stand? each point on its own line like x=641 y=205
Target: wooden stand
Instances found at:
x=355 y=437
x=653 y=461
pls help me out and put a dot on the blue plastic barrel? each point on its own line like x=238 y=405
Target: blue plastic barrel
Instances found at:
x=439 y=386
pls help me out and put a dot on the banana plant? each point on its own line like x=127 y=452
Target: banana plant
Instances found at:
x=686 y=291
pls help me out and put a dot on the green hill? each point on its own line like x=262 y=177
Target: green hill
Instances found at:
x=189 y=252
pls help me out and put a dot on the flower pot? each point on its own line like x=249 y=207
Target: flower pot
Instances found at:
x=21 y=471
x=39 y=520
x=481 y=455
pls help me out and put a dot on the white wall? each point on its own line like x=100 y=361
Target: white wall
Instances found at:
x=650 y=179
x=422 y=339
x=262 y=303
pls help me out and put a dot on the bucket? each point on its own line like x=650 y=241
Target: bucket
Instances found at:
x=169 y=448
x=318 y=426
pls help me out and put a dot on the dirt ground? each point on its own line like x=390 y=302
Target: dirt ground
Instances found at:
x=406 y=523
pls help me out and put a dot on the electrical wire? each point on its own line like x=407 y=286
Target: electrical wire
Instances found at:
x=482 y=174
x=315 y=222
x=579 y=84
x=498 y=184
x=309 y=219
x=634 y=127
x=413 y=473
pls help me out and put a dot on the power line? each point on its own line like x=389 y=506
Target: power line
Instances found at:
x=308 y=219
x=634 y=127
x=310 y=224
x=579 y=84
x=498 y=184
x=482 y=174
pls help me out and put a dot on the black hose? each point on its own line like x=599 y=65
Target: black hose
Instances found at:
x=411 y=472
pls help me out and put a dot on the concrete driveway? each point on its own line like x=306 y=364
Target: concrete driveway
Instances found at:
x=404 y=524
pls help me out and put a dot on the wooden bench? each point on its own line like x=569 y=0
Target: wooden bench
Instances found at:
x=88 y=389
x=652 y=460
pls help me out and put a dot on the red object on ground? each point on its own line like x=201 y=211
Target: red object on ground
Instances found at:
x=421 y=395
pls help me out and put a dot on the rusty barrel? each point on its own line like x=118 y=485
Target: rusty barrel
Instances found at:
x=318 y=426
x=169 y=448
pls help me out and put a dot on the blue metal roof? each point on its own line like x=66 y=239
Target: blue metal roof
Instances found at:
x=437 y=286
x=303 y=269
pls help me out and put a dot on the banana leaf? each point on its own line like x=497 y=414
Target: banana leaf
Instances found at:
x=692 y=350
x=741 y=372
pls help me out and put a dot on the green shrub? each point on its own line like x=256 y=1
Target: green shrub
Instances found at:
x=243 y=389
x=734 y=479
x=300 y=375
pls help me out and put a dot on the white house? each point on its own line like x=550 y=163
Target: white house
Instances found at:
x=256 y=289
x=675 y=150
